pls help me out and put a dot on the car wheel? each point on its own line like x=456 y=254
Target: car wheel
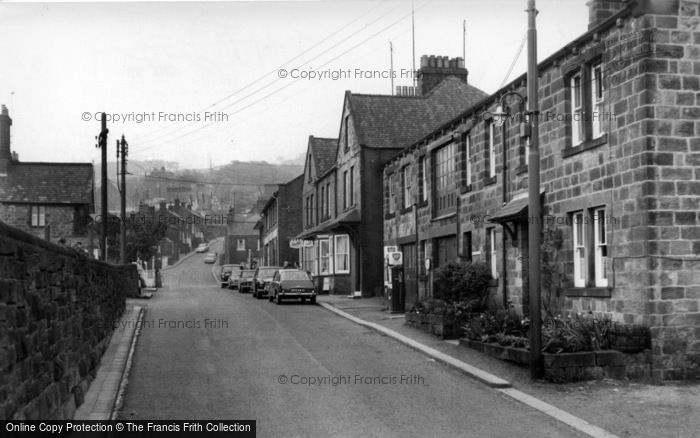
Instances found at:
x=312 y=300
x=303 y=300
x=269 y=297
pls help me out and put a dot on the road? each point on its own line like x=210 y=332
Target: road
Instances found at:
x=210 y=353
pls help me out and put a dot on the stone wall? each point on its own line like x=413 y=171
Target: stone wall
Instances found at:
x=57 y=313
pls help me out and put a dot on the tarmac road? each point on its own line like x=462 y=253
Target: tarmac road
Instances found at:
x=299 y=370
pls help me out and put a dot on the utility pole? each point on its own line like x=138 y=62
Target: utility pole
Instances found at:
x=123 y=149
x=535 y=216
x=102 y=144
x=464 y=41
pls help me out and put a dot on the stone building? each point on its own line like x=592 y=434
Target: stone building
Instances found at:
x=620 y=181
x=373 y=128
x=280 y=222
x=50 y=200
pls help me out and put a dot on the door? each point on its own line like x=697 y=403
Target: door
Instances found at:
x=410 y=276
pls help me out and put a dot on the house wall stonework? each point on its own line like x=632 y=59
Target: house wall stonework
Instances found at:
x=645 y=173
x=61 y=220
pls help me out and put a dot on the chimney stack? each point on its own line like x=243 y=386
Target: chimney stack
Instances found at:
x=601 y=10
x=5 y=154
x=435 y=69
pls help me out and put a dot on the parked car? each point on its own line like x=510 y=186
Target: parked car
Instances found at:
x=203 y=247
x=244 y=281
x=263 y=277
x=292 y=284
x=226 y=271
x=210 y=258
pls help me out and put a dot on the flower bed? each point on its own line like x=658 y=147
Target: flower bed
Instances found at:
x=446 y=327
x=574 y=348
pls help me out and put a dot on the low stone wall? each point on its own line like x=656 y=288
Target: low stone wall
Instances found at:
x=571 y=367
x=57 y=313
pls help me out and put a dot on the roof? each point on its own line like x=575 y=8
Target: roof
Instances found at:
x=385 y=121
x=324 y=153
x=47 y=183
x=515 y=209
x=242 y=225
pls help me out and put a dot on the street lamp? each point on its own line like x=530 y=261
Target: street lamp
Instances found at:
x=530 y=128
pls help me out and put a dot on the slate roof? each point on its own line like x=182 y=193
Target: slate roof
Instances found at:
x=243 y=225
x=324 y=152
x=385 y=121
x=48 y=183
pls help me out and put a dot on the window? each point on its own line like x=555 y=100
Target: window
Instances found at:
x=597 y=99
x=392 y=196
x=324 y=256
x=422 y=180
x=328 y=200
x=576 y=109
x=38 y=213
x=444 y=183
x=323 y=203
x=579 y=234
x=491 y=260
x=490 y=149
x=601 y=247
x=346 y=190
x=352 y=185
x=406 y=187
x=346 y=126
x=240 y=245
x=467 y=246
x=467 y=163
x=589 y=235
x=312 y=210
x=586 y=103
x=308 y=167
x=342 y=254
x=309 y=256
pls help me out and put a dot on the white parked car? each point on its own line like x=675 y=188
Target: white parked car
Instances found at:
x=203 y=247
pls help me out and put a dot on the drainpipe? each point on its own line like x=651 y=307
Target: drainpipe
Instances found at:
x=504 y=187
x=418 y=260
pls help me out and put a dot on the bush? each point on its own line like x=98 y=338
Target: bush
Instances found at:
x=463 y=282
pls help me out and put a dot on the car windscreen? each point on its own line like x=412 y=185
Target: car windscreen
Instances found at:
x=294 y=275
x=265 y=273
x=247 y=274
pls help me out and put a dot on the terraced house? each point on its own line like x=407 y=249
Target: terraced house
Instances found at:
x=342 y=204
x=620 y=182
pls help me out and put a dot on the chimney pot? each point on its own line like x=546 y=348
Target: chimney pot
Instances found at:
x=431 y=61
x=424 y=61
x=398 y=90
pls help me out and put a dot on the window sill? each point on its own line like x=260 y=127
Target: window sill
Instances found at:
x=405 y=210
x=465 y=189
x=423 y=203
x=493 y=282
x=490 y=180
x=585 y=146
x=444 y=216
x=521 y=169
x=389 y=215
x=594 y=292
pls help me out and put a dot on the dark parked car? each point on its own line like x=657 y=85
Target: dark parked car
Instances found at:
x=226 y=271
x=263 y=277
x=292 y=283
x=244 y=281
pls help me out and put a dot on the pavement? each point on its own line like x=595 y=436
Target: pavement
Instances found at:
x=617 y=408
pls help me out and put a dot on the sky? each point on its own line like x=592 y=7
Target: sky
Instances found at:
x=200 y=83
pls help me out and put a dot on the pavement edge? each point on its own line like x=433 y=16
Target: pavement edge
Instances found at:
x=121 y=391
x=502 y=386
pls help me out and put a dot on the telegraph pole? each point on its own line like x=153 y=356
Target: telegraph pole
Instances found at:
x=533 y=177
x=102 y=144
x=123 y=150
